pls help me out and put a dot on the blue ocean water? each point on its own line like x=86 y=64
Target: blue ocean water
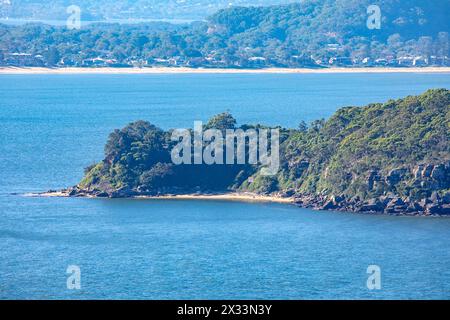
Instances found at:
x=52 y=126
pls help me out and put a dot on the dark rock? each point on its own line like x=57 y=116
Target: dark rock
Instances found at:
x=337 y=199
x=435 y=197
x=329 y=205
x=396 y=202
x=81 y=194
x=395 y=176
x=373 y=205
x=438 y=173
x=396 y=206
x=122 y=193
x=386 y=199
x=438 y=209
x=415 y=207
x=424 y=202
x=418 y=171
x=446 y=198
x=102 y=194
x=426 y=172
x=288 y=193
x=433 y=209
x=445 y=209
x=373 y=176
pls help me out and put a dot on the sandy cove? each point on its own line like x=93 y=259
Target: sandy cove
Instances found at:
x=184 y=70
x=232 y=196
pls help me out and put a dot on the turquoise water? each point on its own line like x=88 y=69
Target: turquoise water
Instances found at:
x=51 y=126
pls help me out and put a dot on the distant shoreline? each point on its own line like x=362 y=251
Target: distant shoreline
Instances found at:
x=184 y=70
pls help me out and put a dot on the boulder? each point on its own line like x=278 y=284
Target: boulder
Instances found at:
x=426 y=172
x=121 y=193
x=102 y=194
x=373 y=176
x=288 y=193
x=445 y=210
x=418 y=171
x=337 y=199
x=446 y=198
x=439 y=173
x=374 y=205
x=433 y=209
x=415 y=207
x=395 y=176
x=73 y=192
x=396 y=206
x=424 y=202
x=329 y=205
x=434 y=198
x=396 y=202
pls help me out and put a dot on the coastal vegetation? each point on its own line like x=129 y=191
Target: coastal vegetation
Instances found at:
x=391 y=157
x=313 y=33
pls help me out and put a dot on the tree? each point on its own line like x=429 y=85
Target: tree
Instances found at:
x=158 y=176
x=425 y=46
x=302 y=126
x=443 y=44
x=222 y=122
x=52 y=56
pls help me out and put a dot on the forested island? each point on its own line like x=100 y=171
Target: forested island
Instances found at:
x=391 y=158
x=309 y=34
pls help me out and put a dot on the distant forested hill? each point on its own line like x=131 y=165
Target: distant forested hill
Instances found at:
x=312 y=33
x=123 y=9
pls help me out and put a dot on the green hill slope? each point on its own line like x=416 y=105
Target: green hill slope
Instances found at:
x=312 y=33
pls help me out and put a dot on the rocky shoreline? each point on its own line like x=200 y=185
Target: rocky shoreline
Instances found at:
x=390 y=204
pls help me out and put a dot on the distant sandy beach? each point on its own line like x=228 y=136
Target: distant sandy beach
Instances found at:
x=242 y=197
x=232 y=196
x=166 y=70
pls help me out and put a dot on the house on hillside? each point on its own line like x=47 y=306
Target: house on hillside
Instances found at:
x=420 y=61
x=405 y=61
x=256 y=62
x=22 y=59
x=340 y=61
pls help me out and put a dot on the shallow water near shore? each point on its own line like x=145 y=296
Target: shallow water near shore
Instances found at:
x=52 y=126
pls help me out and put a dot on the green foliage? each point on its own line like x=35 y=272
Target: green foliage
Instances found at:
x=306 y=34
x=221 y=122
x=397 y=134
x=330 y=157
x=160 y=175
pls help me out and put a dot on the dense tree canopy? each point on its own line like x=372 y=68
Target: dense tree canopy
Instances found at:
x=360 y=151
x=310 y=33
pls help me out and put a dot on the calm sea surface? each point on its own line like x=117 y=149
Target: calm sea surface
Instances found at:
x=52 y=126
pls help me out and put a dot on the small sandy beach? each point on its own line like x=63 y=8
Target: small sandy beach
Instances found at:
x=241 y=197
x=166 y=70
x=232 y=196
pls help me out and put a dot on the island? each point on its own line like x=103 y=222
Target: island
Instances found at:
x=391 y=158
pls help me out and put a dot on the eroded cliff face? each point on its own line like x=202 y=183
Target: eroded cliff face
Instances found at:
x=430 y=182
